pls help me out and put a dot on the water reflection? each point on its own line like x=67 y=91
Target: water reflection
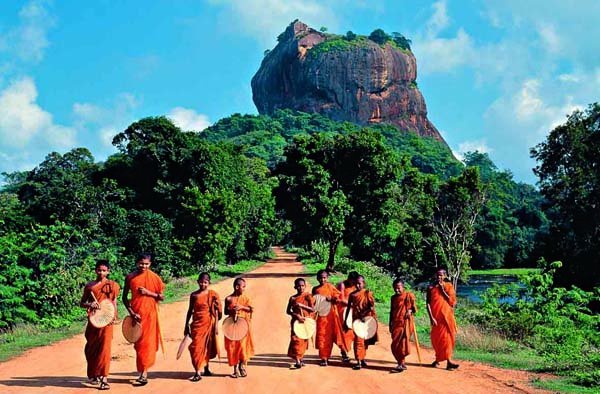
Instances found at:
x=479 y=283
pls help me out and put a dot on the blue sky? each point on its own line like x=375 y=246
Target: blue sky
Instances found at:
x=497 y=76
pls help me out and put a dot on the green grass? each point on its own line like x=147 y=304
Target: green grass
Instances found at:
x=505 y=271
x=563 y=385
x=27 y=336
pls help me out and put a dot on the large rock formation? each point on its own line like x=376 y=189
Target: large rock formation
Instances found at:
x=358 y=80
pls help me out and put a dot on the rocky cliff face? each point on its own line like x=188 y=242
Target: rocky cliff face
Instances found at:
x=358 y=81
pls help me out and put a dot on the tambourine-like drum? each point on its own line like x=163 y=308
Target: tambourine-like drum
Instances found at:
x=349 y=319
x=235 y=329
x=132 y=330
x=322 y=306
x=104 y=316
x=365 y=329
x=305 y=330
x=187 y=340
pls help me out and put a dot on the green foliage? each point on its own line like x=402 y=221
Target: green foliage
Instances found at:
x=401 y=41
x=555 y=321
x=350 y=36
x=379 y=36
x=568 y=163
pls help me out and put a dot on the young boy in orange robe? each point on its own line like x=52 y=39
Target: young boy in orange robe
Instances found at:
x=403 y=305
x=362 y=304
x=346 y=288
x=299 y=307
x=205 y=311
x=329 y=328
x=98 y=340
x=441 y=299
x=146 y=292
x=239 y=352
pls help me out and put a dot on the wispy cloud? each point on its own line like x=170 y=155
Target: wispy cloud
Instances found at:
x=265 y=19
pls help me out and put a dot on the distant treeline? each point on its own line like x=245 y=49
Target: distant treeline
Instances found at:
x=198 y=200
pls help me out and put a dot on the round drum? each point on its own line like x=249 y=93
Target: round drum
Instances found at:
x=235 y=329
x=322 y=306
x=305 y=330
x=104 y=316
x=132 y=330
x=365 y=329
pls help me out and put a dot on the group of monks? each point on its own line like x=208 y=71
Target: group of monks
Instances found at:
x=205 y=310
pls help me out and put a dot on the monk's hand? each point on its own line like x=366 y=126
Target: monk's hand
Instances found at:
x=143 y=291
x=433 y=322
x=136 y=317
x=301 y=319
x=94 y=306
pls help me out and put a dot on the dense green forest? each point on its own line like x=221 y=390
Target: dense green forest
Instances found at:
x=196 y=200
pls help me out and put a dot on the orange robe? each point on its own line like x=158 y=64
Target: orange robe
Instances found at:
x=206 y=313
x=298 y=346
x=239 y=351
x=98 y=340
x=400 y=325
x=329 y=328
x=348 y=335
x=363 y=305
x=443 y=335
x=147 y=307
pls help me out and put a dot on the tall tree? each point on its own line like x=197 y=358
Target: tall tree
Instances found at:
x=569 y=172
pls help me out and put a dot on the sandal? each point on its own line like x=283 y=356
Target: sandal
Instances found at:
x=207 y=372
x=142 y=380
x=451 y=366
x=435 y=364
x=196 y=378
x=94 y=381
x=323 y=363
x=297 y=366
x=356 y=367
x=234 y=375
x=243 y=372
x=396 y=369
x=363 y=363
x=302 y=362
x=104 y=386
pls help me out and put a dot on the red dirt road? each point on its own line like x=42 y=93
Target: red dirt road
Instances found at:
x=60 y=368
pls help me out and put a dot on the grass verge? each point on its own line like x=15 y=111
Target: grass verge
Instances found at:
x=27 y=336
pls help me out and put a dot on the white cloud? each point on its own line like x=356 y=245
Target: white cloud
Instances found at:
x=568 y=78
x=437 y=54
x=480 y=146
x=188 y=119
x=550 y=38
x=265 y=19
x=22 y=119
x=439 y=20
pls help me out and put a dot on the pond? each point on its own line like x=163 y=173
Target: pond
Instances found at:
x=480 y=283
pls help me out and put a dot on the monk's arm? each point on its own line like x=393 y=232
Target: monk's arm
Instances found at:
x=432 y=319
x=125 y=299
x=85 y=299
x=188 y=315
x=348 y=311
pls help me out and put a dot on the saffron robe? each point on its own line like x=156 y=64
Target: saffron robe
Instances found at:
x=98 y=340
x=147 y=307
x=348 y=335
x=400 y=324
x=329 y=328
x=242 y=350
x=443 y=335
x=363 y=305
x=298 y=346
x=206 y=313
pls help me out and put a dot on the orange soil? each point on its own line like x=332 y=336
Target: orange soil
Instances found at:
x=60 y=368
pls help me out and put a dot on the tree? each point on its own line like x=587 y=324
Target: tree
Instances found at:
x=350 y=36
x=323 y=29
x=379 y=36
x=401 y=41
x=452 y=225
x=569 y=178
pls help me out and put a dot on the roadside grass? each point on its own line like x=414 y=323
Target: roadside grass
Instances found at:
x=26 y=336
x=505 y=271
x=563 y=385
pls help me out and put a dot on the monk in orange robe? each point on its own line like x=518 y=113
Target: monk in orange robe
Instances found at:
x=239 y=352
x=346 y=288
x=299 y=307
x=403 y=305
x=98 y=340
x=146 y=291
x=362 y=304
x=205 y=311
x=329 y=328
x=441 y=299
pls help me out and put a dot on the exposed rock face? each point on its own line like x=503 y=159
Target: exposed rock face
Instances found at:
x=363 y=83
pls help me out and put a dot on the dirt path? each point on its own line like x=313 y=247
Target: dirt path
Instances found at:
x=60 y=368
